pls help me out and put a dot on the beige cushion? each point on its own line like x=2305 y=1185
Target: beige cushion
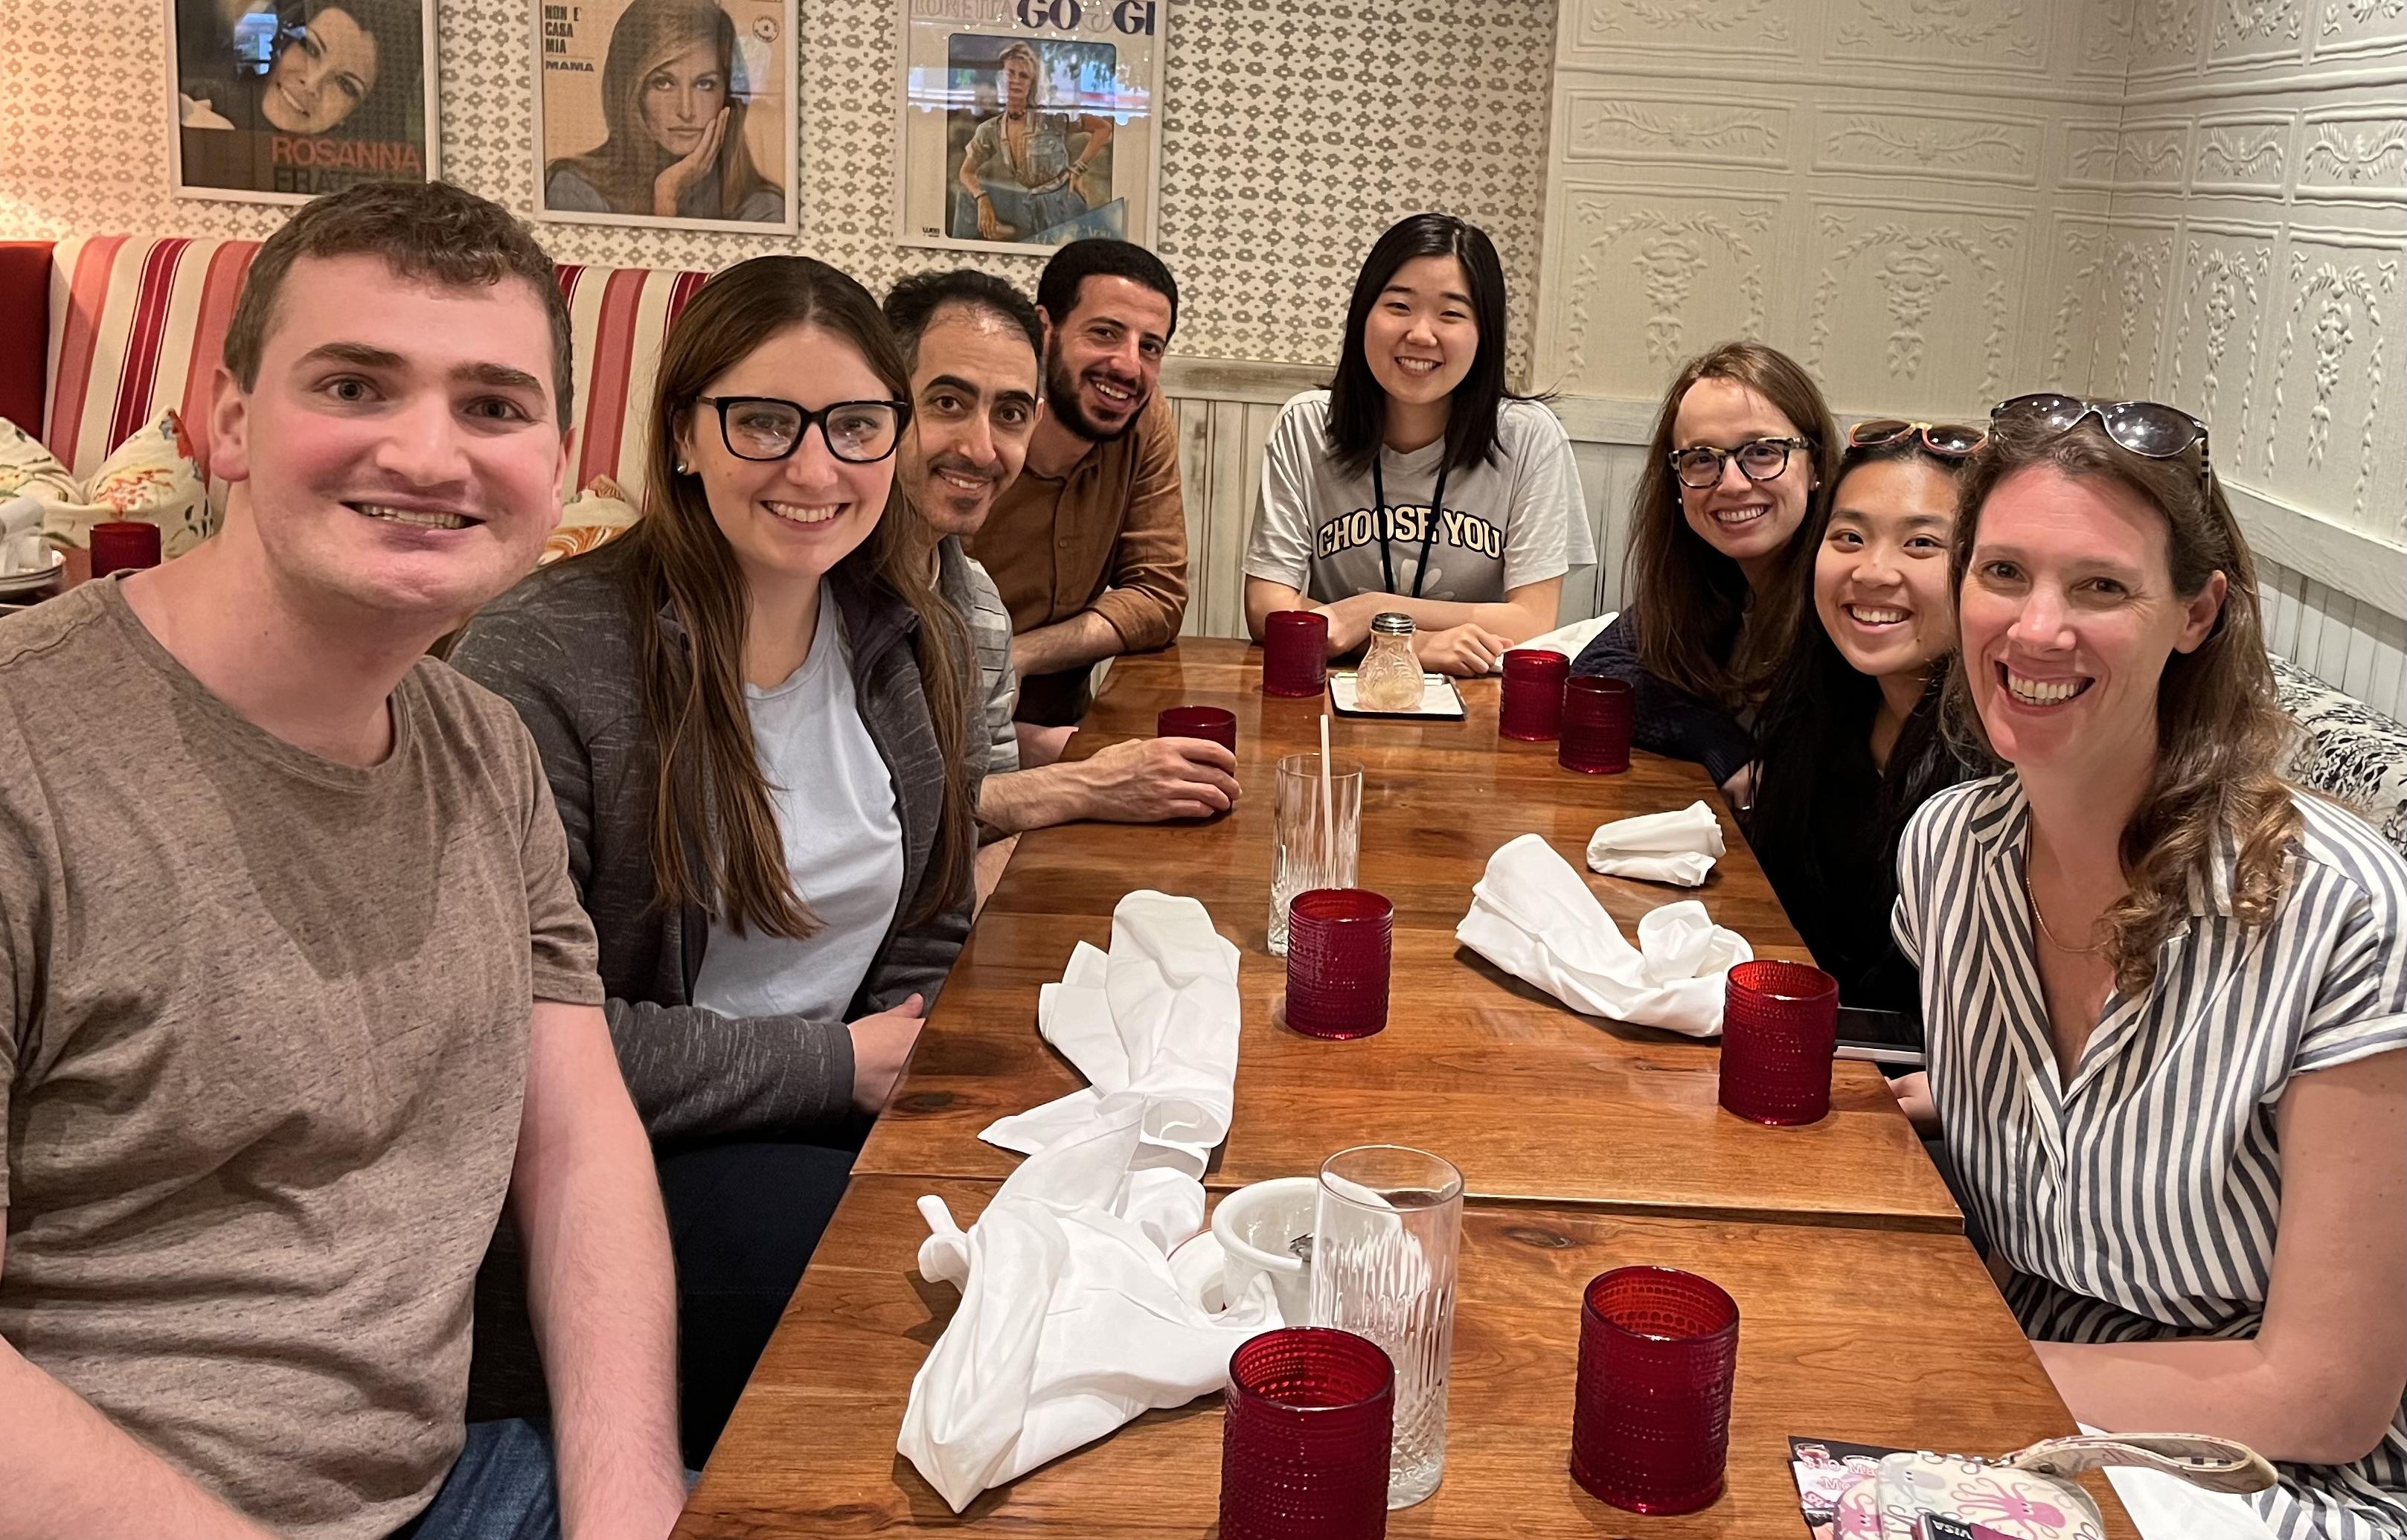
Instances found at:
x=589 y=520
x=151 y=478
x=29 y=470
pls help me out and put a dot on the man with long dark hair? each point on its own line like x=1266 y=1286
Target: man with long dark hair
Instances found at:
x=1088 y=546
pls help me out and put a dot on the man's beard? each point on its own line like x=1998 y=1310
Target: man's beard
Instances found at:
x=1062 y=400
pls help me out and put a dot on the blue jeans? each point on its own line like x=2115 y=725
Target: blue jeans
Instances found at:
x=500 y=1489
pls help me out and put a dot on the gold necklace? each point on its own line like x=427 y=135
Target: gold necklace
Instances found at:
x=2049 y=935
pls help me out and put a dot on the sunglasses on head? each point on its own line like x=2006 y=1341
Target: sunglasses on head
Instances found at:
x=2149 y=429
x=1948 y=440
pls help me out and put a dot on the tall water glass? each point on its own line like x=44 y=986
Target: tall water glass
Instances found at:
x=1383 y=1244
x=1307 y=849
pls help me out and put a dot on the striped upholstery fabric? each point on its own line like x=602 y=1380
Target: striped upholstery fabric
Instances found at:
x=621 y=316
x=137 y=325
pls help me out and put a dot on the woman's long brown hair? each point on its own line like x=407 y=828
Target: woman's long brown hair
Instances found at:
x=2220 y=735
x=712 y=802
x=1689 y=602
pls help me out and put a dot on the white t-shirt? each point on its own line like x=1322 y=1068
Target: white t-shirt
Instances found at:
x=834 y=802
x=1513 y=519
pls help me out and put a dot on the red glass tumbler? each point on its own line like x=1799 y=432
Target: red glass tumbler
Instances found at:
x=1531 y=709
x=1780 y=1030
x=1658 y=1358
x=1596 y=725
x=1339 y=944
x=1304 y=1446
x=1198 y=721
x=124 y=546
x=1295 y=652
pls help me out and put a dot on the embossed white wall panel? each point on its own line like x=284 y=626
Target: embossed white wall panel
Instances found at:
x=2203 y=201
x=1913 y=302
x=1653 y=275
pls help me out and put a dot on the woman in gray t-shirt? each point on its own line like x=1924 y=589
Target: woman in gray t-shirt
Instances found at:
x=1417 y=482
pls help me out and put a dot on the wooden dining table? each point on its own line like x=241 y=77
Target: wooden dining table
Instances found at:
x=1585 y=1144
x=1865 y=1336
x=1533 y=1101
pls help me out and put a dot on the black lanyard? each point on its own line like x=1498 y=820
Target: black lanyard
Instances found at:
x=1429 y=527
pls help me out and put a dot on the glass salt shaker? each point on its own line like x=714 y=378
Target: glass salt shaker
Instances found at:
x=1389 y=678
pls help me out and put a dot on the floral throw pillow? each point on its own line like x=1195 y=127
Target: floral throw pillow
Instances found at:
x=151 y=478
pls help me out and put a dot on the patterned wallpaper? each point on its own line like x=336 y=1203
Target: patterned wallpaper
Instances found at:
x=1296 y=131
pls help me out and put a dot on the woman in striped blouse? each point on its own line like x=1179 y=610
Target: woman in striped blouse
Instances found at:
x=2165 y=994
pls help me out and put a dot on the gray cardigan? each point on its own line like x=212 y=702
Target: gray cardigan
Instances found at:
x=560 y=648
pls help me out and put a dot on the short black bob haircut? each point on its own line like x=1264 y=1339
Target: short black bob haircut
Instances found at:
x=1101 y=257
x=1357 y=407
x=913 y=303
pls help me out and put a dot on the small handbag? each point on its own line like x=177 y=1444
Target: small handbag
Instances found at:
x=2031 y=1494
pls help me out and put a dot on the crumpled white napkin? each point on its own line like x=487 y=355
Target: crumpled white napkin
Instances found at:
x=1532 y=916
x=1572 y=639
x=1155 y=1022
x=1071 y=1321
x=1679 y=847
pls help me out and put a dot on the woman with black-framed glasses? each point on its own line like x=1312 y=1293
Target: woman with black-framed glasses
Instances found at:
x=754 y=711
x=1723 y=514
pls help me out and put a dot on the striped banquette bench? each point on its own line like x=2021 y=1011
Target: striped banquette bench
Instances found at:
x=101 y=333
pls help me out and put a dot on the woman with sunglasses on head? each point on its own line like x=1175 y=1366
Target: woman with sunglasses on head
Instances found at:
x=1415 y=482
x=1721 y=522
x=2165 y=994
x=754 y=711
x=1851 y=730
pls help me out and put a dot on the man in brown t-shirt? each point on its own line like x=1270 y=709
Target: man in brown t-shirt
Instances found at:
x=1088 y=546
x=293 y=987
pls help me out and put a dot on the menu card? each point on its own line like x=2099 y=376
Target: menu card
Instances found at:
x=1826 y=1468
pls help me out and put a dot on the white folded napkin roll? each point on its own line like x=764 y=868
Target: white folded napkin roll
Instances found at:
x=1568 y=640
x=1679 y=847
x=1531 y=915
x=1070 y=1324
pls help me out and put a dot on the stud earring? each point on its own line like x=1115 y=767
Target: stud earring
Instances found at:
x=684 y=469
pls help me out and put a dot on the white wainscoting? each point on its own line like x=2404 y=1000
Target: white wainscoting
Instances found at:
x=1225 y=411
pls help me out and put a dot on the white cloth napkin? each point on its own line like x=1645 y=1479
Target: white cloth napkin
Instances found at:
x=1531 y=915
x=1154 y=1021
x=1071 y=1321
x=2166 y=1508
x=1568 y=640
x=1679 y=847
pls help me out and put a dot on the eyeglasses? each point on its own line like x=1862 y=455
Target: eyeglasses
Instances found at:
x=1948 y=440
x=761 y=427
x=2149 y=429
x=1759 y=460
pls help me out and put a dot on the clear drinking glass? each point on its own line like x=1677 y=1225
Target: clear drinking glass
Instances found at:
x=1383 y=1244
x=1307 y=851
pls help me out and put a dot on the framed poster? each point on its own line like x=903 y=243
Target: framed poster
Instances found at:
x=1026 y=124
x=678 y=114
x=277 y=101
